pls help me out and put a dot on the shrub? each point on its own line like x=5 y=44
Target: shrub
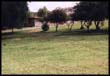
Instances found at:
x=45 y=27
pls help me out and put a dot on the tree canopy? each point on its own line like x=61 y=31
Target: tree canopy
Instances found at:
x=43 y=12
x=91 y=11
x=57 y=16
x=14 y=14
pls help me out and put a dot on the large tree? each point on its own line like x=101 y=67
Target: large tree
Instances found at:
x=87 y=12
x=57 y=16
x=14 y=14
x=99 y=13
x=83 y=13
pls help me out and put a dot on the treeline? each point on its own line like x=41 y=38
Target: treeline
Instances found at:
x=15 y=14
x=85 y=12
x=88 y=12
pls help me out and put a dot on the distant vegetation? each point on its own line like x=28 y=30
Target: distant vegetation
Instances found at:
x=15 y=14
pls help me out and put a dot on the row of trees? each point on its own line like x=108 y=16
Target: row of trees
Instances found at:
x=14 y=14
x=85 y=12
x=57 y=16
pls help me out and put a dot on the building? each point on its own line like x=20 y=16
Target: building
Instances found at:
x=32 y=19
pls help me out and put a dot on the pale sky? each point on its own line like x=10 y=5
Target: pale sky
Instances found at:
x=51 y=5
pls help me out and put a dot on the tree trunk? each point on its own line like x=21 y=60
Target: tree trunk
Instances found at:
x=82 y=27
x=88 y=28
x=56 y=27
x=97 y=25
x=71 y=26
x=88 y=25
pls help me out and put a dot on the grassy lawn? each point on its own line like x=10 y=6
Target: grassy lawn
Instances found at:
x=35 y=52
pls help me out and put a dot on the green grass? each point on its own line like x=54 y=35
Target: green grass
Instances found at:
x=76 y=52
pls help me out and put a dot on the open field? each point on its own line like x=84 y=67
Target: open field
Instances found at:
x=33 y=52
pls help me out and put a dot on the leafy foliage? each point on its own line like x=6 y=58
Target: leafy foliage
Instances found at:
x=43 y=12
x=57 y=16
x=14 y=14
x=45 y=27
x=90 y=11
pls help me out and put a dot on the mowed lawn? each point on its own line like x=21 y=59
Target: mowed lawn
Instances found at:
x=34 y=52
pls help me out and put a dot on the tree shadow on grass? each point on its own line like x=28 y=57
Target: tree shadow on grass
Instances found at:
x=52 y=35
x=84 y=32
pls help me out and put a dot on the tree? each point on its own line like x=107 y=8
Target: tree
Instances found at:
x=91 y=11
x=57 y=16
x=43 y=12
x=83 y=13
x=14 y=14
x=100 y=13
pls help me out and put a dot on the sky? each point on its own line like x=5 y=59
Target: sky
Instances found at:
x=34 y=6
